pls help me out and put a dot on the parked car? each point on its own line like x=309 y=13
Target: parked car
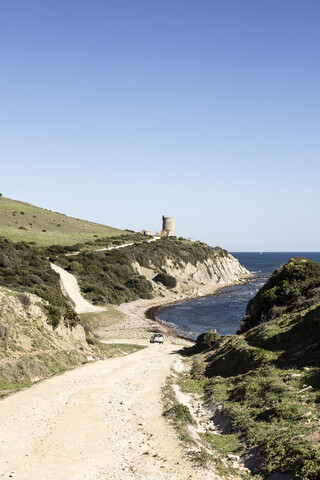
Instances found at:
x=157 y=338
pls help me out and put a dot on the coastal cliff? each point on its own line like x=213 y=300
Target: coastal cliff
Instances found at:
x=201 y=278
x=164 y=268
x=266 y=378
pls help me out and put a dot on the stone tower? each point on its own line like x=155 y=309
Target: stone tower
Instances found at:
x=168 y=227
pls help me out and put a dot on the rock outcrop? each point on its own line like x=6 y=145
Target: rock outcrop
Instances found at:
x=199 y=279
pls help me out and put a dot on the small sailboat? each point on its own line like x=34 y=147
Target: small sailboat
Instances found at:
x=260 y=251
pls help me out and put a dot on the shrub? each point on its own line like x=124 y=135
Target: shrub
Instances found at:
x=287 y=288
x=24 y=299
x=4 y=260
x=96 y=289
x=54 y=314
x=180 y=414
x=140 y=286
x=209 y=339
x=75 y=266
x=166 y=280
x=4 y=331
x=35 y=280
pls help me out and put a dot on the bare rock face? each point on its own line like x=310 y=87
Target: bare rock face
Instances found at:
x=199 y=279
x=72 y=334
x=218 y=271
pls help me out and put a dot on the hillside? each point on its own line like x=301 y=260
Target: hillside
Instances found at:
x=31 y=350
x=268 y=378
x=20 y=221
x=164 y=268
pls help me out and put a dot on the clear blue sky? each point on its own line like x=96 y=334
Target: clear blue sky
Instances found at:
x=119 y=111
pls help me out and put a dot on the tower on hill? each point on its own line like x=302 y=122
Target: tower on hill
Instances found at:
x=168 y=227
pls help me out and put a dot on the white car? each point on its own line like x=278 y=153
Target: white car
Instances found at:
x=157 y=338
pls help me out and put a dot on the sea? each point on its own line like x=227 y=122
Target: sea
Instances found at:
x=225 y=310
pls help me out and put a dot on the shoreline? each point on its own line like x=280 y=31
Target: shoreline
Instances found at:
x=140 y=319
x=150 y=313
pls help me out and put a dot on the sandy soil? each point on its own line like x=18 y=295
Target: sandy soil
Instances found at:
x=137 y=325
x=70 y=285
x=100 y=421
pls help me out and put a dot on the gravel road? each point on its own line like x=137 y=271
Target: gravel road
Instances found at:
x=100 y=421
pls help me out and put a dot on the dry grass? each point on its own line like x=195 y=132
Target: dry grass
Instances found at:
x=20 y=221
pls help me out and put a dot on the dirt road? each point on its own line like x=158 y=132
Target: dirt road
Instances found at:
x=70 y=286
x=100 y=421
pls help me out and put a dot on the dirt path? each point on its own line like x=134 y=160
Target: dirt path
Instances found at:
x=103 y=249
x=70 y=285
x=100 y=421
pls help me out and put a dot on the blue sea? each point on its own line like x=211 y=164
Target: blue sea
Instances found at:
x=225 y=310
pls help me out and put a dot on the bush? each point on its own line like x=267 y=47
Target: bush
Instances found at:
x=24 y=299
x=4 y=331
x=166 y=280
x=4 y=260
x=286 y=290
x=209 y=339
x=140 y=286
x=180 y=414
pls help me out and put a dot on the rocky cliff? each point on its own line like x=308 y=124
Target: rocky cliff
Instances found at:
x=199 y=278
x=166 y=267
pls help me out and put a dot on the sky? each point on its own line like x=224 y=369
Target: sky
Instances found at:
x=120 y=111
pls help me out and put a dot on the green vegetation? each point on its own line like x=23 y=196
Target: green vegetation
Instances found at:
x=96 y=320
x=224 y=444
x=209 y=339
x=20 y=221
x=213 y=448
x=167 y=280
x=268 y=378
x=180 y=414
x=97 y=244
x=109 y=276
x=293 y=285
x=25 y=268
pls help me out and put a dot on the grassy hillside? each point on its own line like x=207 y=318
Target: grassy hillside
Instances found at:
x=26 y=268
x=288 y=289
x=20 y=221
x=110 y=276
x=268 y=378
